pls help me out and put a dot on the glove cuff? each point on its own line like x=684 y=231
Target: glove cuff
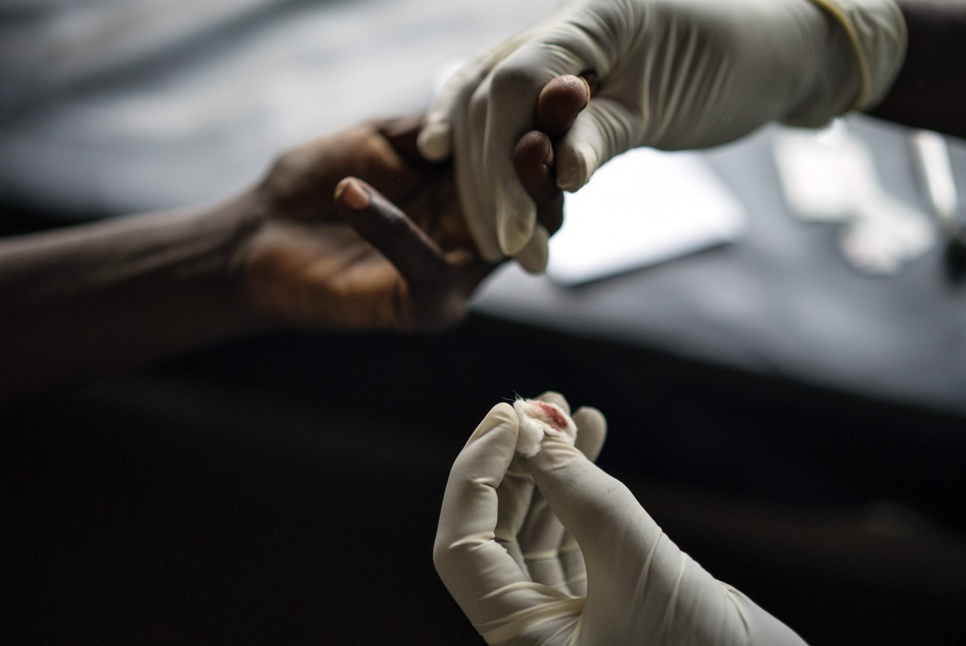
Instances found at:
x=877 y=33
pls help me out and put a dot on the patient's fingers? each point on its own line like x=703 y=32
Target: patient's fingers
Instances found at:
x=385 y=227
x=533 y=160
x=558 y=105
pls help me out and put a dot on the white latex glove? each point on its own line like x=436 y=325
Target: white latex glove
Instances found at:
x=505 y=558
x=674 y=74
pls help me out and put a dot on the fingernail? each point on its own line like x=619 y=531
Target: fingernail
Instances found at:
x=350 y=192
x=586 y=86
x=549 y=158
x=592 y=79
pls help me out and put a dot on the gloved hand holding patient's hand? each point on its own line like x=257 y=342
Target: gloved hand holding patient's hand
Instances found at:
x=673 y=74
x=393 y=249
x=604 y=573
x=390 y=250
x=352 y=231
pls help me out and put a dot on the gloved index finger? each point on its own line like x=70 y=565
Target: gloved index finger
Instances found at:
x=552 y=557
x=559 y=103
x=541 y=533
x=485 y=581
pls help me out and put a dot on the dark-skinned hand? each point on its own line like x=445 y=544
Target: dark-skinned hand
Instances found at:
x=356 y=231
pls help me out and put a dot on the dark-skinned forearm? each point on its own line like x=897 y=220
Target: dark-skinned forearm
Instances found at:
x=931 y=87
x=99 y=297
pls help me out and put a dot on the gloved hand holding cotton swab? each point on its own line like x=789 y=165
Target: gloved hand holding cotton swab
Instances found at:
x=550 y=549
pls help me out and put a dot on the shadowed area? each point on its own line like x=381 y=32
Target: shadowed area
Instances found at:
x=289 y=487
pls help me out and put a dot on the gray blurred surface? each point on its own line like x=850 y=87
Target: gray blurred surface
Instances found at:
x=782 y=301
x=115 y=106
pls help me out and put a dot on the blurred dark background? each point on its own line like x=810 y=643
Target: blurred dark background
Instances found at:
x=797 y=428
x=288 y=488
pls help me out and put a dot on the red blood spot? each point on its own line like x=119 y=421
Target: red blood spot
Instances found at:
x=557 y=420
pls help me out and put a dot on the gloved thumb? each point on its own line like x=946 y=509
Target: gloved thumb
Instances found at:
x=592 y=505
x=602 y=131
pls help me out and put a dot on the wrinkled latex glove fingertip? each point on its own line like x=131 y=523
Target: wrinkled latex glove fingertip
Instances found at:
x=593 y=430
x=514 y=230
x=535 y=256
x=434 y=142
x=590 y=416
x=513 y=238
x=573 y=169
x=502 y=417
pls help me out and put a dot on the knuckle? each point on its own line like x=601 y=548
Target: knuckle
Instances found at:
x=283 y=174
x=515 y=81
x=395 y=227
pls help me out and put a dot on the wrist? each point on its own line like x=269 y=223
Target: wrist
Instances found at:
x=876 y=31
x=863 y=43
x=833 y=82
x=189 y=261
x=95 y=298
x=243 y=220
